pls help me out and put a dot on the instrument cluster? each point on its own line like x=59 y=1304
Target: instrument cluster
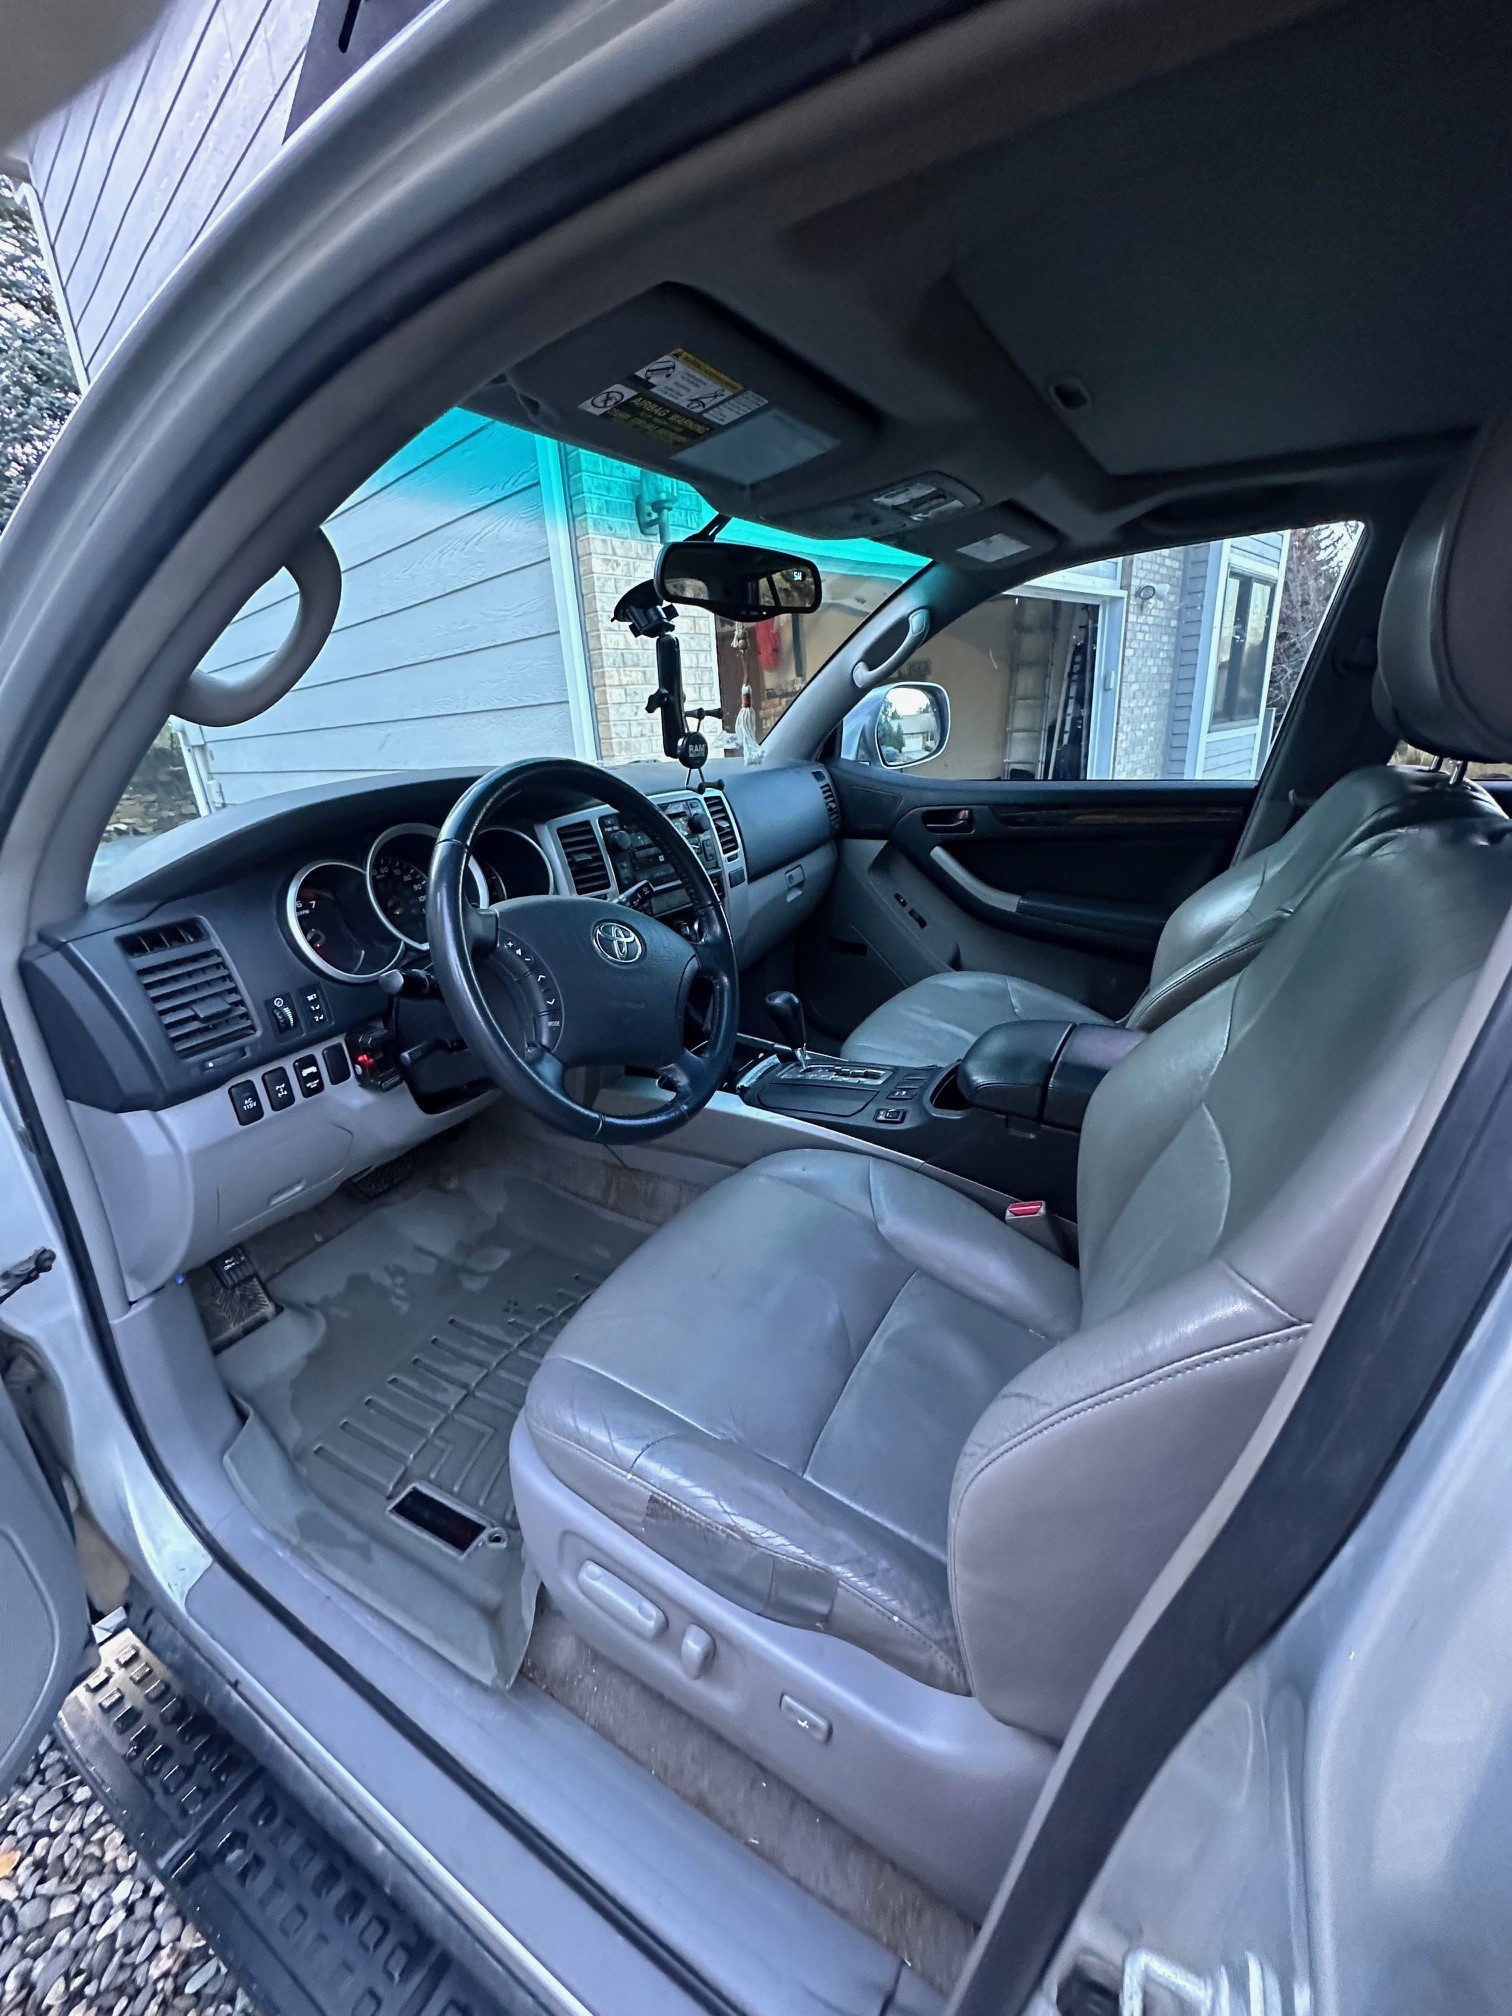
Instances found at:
x=353 y=920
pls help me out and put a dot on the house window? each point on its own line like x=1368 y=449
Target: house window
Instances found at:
x=1244 y=635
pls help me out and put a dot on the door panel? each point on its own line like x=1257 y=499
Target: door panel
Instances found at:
x=45 y=1646
x=1065 y=884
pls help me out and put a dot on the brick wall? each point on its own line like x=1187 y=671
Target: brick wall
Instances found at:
x=1149 y=662
x=612 y=555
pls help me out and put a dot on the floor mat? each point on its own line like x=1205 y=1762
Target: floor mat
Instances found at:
x=380 y=1399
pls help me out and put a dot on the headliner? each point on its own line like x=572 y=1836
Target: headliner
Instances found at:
x=1279 y=270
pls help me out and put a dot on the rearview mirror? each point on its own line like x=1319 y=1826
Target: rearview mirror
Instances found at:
x=897 y=726
x=744 y=584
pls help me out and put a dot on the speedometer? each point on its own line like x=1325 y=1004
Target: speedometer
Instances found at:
x=399 y=892
x=398 y=877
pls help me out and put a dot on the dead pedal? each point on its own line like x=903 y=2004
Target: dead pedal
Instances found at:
x=230 y=1296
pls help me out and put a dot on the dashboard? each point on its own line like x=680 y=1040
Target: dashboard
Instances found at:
x=245 y=1019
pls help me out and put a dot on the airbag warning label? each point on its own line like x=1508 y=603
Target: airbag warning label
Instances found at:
x=675 y=400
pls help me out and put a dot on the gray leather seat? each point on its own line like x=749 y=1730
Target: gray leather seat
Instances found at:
x=886 y=1416
x=1213 y=934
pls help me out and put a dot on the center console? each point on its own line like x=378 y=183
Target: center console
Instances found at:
x=1009 y=1114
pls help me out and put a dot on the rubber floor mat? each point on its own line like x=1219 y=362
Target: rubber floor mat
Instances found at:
x=381 y=1398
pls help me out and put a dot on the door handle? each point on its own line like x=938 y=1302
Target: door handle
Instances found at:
x=947 y=819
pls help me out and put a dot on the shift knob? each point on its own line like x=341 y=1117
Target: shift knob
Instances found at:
x=786 y=1011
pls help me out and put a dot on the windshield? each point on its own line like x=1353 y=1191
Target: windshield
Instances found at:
x=480 y=569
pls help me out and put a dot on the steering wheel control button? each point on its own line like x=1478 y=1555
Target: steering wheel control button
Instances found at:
x=283 y=1014
x=696 y=1652
x=615 y=1598
x=280 y=1092
x=316 y=1012
x=245 y=1103
x=307 y=1075
x=809 y=1720
x=338 y=1066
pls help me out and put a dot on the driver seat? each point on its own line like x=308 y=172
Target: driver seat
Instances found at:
x=908 y=1472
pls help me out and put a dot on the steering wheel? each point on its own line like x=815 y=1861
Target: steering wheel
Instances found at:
x=539 y=984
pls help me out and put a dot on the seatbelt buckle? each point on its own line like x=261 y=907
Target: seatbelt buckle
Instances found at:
x=1032 y=1217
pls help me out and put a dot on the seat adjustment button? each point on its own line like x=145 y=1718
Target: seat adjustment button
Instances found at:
x=695 y=1651
x=809 y=1720
x=618 y=1600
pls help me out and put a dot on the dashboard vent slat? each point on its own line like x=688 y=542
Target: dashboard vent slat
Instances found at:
x=826 y=785
x=723 y=821
x=193 y=991
x=585 y=858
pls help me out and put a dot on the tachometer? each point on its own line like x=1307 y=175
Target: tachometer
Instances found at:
x=398 y=878
x=332 y=921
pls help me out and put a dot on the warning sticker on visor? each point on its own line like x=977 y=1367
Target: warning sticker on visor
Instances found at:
x=676 y=399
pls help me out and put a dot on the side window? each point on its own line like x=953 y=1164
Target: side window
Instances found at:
x=1172 y=664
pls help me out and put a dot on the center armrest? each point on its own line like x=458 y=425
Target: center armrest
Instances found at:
x=1008 y=1068
x=1044 y=1070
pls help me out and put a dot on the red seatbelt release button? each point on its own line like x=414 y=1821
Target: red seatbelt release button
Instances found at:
x=1026 y=1207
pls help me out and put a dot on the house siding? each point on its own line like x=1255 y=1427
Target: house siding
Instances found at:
x=447 y=649
x=131 y=174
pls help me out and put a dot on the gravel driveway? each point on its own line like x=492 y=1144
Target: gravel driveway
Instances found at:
x=83 y=1927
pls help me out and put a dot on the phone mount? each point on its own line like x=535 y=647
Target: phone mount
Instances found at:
x=645 y=614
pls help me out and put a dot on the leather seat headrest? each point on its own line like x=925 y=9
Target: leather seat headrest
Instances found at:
x=1446 y=621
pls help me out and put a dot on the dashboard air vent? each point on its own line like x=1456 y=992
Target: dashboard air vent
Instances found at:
x=722 y=820
x=192 y=990
x=826 y=785
x=585 y=858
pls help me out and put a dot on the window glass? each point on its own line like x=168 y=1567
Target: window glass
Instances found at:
x=1171 y=664
x=480 y=570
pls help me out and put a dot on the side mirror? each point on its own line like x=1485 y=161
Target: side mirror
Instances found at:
x=744 y=584
x=897 y=726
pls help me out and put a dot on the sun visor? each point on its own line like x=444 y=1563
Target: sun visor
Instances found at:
x=671 y=381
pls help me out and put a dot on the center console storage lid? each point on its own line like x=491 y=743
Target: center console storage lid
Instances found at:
x=1008 y=1068
x=1045 y=1071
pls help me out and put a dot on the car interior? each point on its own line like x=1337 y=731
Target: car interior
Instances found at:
x=728 y=1281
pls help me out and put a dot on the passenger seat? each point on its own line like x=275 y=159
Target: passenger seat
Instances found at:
x=1213 y=935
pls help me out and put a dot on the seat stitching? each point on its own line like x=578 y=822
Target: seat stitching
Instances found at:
x=1214 y=1360
x=771 y=1554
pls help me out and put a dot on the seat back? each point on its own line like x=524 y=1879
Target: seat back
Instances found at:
x=1226 y=1166
x=1221 y=926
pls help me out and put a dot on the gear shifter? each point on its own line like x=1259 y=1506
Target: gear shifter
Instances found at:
x=786 y=1011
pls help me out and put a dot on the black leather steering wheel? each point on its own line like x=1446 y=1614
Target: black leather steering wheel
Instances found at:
x=539 y=984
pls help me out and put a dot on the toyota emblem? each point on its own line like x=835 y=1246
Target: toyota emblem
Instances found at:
x=619 y=943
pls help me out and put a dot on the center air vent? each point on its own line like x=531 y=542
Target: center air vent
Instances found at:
x=192 y=990
x=585 y=858
x=831 y=802
x=723 y=824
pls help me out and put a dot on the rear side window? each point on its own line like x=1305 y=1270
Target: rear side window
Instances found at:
x=1171 y=664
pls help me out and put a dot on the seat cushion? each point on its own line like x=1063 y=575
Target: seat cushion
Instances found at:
x=937 y=1020
x=774 y=1390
